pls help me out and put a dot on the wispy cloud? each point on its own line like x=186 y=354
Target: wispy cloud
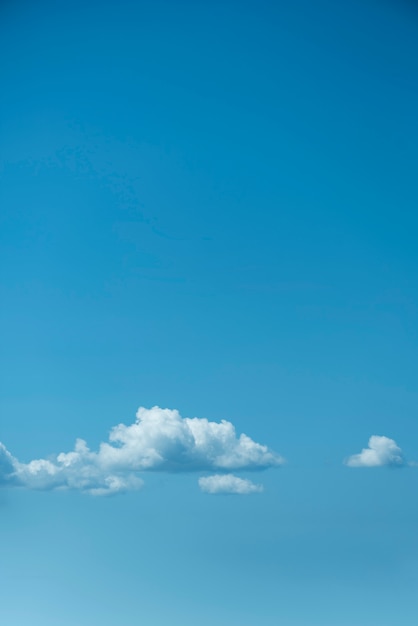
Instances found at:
x=7 y=466
x=158 y=440
x=228 y=483
x=381 y=451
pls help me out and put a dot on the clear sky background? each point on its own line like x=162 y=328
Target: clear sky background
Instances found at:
x=211 y=207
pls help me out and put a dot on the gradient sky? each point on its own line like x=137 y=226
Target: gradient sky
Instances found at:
x=211 y=207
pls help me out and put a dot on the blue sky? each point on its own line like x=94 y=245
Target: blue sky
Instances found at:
x=209 y=207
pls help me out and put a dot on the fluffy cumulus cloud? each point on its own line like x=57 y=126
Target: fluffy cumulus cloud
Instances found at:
x=381 y=451
x=228 y=483
x=158 y=440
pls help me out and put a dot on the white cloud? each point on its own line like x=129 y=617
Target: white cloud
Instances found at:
x=158 y=440
x=381 y=451
x=7 y=466
x=228 y=483
x=161 y=439
x=80 y=469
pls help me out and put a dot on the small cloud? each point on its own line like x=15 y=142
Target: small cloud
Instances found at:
x=158 y=440
x=7 y=466
x=382 y=451
x=228 y=483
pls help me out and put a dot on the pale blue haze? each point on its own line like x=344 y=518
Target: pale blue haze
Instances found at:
x=211 y=206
